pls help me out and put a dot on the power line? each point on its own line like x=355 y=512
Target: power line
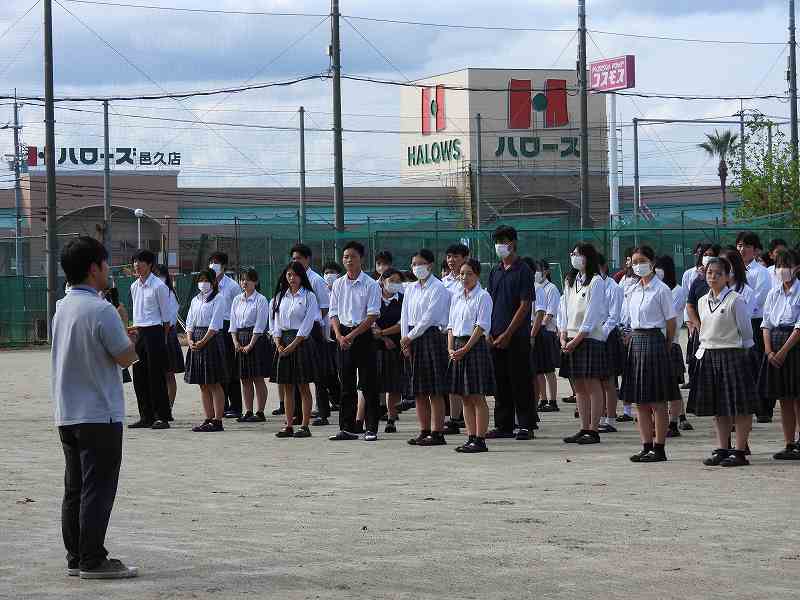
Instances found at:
x=683 y=39
x=18 y=19
x=198 y=10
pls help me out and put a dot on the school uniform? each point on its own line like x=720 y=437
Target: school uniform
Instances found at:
x=724 y=381
x=474 y=373
x=649 y=376
x=676 y=353
x=453 y=284
x=295 y=317
x=759 y=279
x=545 y=348
x=615 y=349
x=229 y=289
x=249 y=317
x=327 y=355
x=209 y=365
x=781 y=318
x=697 y=290
x=688 y=278
x=391 y=366
x=584 y=308
x=175 y=360
x=150 y=312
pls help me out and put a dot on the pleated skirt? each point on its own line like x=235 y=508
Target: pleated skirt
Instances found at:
x=723 y=384
x=391 y=367
x=615 y=350
x=649 y=376
x=208 y=365
x=676 y=355
x=473 y=375
x=588 y=361
x=545 y=352
x=175 y=360
x=301 y=366
x=429 y=360
x=259 y=361
x=780 y=383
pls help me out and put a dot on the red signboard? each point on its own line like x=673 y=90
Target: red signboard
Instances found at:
x=432 y=110
x=612 y=74
x=520 y=96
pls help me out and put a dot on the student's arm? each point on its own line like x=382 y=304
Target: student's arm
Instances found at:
x=428 y=317
x=744 y=322
x=596 y=313
x=114 y=338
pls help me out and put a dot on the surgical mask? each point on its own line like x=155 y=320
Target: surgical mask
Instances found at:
x=706 y=260
x=784 y=274
x=502 y=250
x=216 y=267
x=421 y=271
x=578 y=262
x=204 y=287
x=642 y=269
x=393 y=288
x=660 y=274
x=538 y=278
x=330 y=278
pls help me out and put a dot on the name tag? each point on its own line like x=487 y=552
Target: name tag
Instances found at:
x=699 y=354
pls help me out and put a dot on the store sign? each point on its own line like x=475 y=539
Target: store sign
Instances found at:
x=434 y=153
x=432 y=110
x=532 y=147
x=523 y=104
x=613 y=74
x=93 y=156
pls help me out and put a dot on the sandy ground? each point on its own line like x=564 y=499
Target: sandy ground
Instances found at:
x=243 y=514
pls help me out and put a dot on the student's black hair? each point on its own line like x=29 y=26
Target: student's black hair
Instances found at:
x=459 y=249
x=722 y=262
x=629 y=251
x=426 y=254
x=592 y=268
x=384 y=256
x=220 y=257
x=474 y=264
x=282 y=286
x=409 y=276
x=389 y=272
x=666 y=264
x=112 y=296
x=738 y=270
x=79 y=255
x=765 y=258
x=775 y=242
x=788 y=259
x=444 y=268
x=504 y=232
x=145 y=256
x=332 y=265
x=251 y=275
x=530 y=262
x=749 y=238
x=544 y=268
x=302 y=249
x=700 y=251
x=646 y=251
x=354 y=245
x=211 y=277
x=164 y=270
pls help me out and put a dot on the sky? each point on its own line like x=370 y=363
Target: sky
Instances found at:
x=102 y=50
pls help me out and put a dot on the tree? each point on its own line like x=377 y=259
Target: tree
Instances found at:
x=720 y=145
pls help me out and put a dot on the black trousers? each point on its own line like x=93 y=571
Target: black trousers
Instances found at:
x=92 y=456
x=149 y=374
x=358 y=360
x=328 y=391
x=233 y=388
x=512 y=372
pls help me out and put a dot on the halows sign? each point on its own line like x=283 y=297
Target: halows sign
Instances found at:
x=432 y=111
x=93 y=156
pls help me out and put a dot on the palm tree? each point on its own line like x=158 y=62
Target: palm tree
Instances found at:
x=720 y=145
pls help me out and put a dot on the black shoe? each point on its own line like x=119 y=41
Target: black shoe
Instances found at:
x=573 y=439
x=286 y=432
x=302 y=432
x=436 y=438
x=623 y=418
x=451 y=428
x=524 y=435
x=569 y=400
x=735 y=459
x=199 y=428
x=788 y=453
x=543 y=406
x=244 y=418
x=589 y=437
x=232 y=414
x=468 y=441
x=343 y=436
x=141 y=425
x=607 y=429
x=474 y=447
x=685 y=425
x=110 y=568
x=320 y=422
x=638 y=456
x=496 y=434
x=160 y=424
x=390 y=427
x=279 y=411
x=672 y=430
x=553 y=406
x=716 y=458
x=653 y=456
x=209 y=426
x=415 y=441
x=259 y=417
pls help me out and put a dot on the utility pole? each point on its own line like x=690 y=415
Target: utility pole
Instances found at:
x=793 y=86
x=107 y=186
x=741 y=138
x=50 y=163
x=17 y=196
x=636 y=189
x=613 y=177
x=336 y=66
x=584 y=93
x=302 y=231
x=478 y=172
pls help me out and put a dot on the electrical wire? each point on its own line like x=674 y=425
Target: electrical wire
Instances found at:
x=18 y=19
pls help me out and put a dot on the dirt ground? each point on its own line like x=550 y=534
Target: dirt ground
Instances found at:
x=243 y=514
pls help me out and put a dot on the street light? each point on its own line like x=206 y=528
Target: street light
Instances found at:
x=139 y=213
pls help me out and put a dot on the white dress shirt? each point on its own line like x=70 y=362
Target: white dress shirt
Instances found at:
x=468 y=310
x=649 y=306
x=174 y=307
x=689 y=275
x=353 y=300
x=782 y=309
x=679 y=295
x=249 y=312
x=228 y=289
x=206 y=314
x=424 y=306
x=759 y=279
x=150 y=302
x=548 y=299
x=320 y=289
x=296 y=311
x=615 y=296
x=452 y=284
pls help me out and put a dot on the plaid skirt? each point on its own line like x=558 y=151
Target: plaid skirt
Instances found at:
x=391 y=369
x=775 y=383
x=676 y=355
x=207 y=365
x=724 y=384
x=429 y=360
x=587 y=361
x=175 y=362
x=545 y=352
x=649 y=376
x=301 y=366
x=257 y=362
x=473 y=375
x=615 y=350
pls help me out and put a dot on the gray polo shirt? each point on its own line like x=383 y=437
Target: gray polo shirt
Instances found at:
x=85 y=382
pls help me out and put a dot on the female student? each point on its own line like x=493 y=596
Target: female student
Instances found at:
x=697 y=289
x=205 y=362
x=471 y=370
x=295 y=311
x=546 y=349
x=780 y=372
x=582 y=312
x=252 y=342
x=392 y=379
x=175 y=361
x=615 y=350
x=724 y=379
x=649 y=378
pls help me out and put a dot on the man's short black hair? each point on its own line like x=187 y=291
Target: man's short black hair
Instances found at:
x=79 y=255
x=219 y=257
x=426 y=254
x=474 y=264
x=333 y=266
x=776 y=243
x=384 y=256
x=749 y=238
x=505 y=232
x=459 y=249
x=145 y=256
x=354 y=245
x=301 y=249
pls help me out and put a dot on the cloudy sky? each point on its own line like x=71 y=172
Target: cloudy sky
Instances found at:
x=111 y=50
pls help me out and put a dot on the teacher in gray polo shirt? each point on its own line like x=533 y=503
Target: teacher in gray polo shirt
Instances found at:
x=90 y=346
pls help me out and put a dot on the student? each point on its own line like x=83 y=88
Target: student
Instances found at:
x=295 y=313
x=697 y=290
x=206 y=363
x=511 y=286
x=455 y=256
x=251 y=337
x=228 y=289
x=175 y=361
x=151 y=314
x=383 y=262
x=738 y=278
x=649 y=379
x=724 y=380
x=546 y=349
x=327 y=389
x=687 y=280
x=625 y=270
x=776 y=245
x=111 y=295
x=471 y=372
x=665 y=271
x=425 y=311
x=615 y=350
x=355 y=305
x=780 y=371
x=583 y=310
x=89 y=347
x=392 y=379
x=537 y=316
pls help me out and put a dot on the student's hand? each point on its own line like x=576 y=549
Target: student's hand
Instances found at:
x=133 y=334
x=405 y=343
x=236 y=347
x=279 y=348
x=459 y=354
x=407 y=352
x=502 y=341
x=199 y=345
x=563 y=341
x=390 y=345
x=490 y=341
x=246 y=349
x=344 y=341
x=570 y=347
x=776 y=359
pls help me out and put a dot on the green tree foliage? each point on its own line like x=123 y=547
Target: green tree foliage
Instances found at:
x=721 y=145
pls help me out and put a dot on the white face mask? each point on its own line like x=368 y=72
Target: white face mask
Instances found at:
x=642 y=269
x=660 y=274
x=578 y=262
x=706 y=260
x=204 y=287
x=784 y=274
x=502 y=250
x=330 y=278
x=393 y=288
x=421 y=271
x=216 y=267
x=539 y=278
